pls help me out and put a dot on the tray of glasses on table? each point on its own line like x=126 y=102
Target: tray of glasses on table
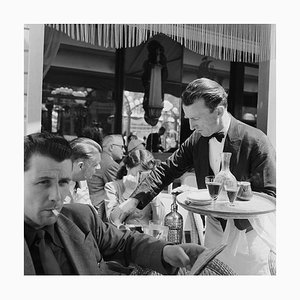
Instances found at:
x=200 y=202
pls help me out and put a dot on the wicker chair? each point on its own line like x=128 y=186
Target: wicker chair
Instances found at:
x=216 y=267
x=138 y=270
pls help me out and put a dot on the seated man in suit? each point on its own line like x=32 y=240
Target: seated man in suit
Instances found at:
x=71 y=238
x=113 y=152
x=86 y=160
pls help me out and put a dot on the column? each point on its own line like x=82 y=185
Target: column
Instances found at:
x=33 y=77
x=266 y=104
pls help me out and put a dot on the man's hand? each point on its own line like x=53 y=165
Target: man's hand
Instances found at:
x=127 y=208
x=184 y=188
x=183 y=255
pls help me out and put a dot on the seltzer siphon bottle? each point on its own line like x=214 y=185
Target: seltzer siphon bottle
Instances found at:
x=174 y=221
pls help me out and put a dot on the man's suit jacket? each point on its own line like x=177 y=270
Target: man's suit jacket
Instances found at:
x=106 y=173
x=253 y=159
x=88 y=241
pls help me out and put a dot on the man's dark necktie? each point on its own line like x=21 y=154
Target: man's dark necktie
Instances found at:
x=77 y=186
x=48 y=260
x=218 y=135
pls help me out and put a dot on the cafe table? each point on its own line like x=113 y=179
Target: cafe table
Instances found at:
x=246 y=252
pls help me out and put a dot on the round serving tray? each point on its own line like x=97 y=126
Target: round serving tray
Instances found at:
x=258 y=205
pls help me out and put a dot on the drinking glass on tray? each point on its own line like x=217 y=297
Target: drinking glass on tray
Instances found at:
x=232 y=192
x=213 y=187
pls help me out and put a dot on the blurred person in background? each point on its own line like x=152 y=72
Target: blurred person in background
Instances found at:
x=135 y=144
x=131 y=136
x=154 y=143
x=94 y=133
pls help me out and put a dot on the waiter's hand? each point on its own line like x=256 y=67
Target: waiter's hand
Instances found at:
x=182 y=255
x=184 y=188
x=127 y=208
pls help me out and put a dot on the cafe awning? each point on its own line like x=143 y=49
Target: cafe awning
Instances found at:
x=232 y=42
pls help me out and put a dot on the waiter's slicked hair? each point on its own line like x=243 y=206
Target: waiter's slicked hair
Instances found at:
x=210 y=91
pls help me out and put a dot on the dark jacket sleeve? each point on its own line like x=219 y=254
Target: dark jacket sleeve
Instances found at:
x=175 y=166
x=257 y=164
x=256 y=160
x=124 y=247
x=262 y=172
x=263 y=167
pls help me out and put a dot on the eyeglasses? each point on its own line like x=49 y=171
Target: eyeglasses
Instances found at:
x=121 y=146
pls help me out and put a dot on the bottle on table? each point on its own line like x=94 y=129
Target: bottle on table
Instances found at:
x=174 y=221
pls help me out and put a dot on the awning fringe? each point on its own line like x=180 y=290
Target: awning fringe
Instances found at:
x=232 y=42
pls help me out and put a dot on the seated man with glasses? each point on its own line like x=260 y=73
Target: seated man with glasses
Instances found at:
x=113 y=152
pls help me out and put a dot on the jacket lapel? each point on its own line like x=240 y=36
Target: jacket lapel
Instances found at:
x=80 y=248
x=202 y=160
x=28 y=263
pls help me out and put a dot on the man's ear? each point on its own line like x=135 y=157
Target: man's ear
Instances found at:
x=111 y=147
x=80 y=164
x=220 y=110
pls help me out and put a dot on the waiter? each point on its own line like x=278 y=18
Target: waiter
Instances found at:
x=215 y=131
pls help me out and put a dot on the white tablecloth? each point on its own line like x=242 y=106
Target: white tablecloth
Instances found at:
x=246 y=253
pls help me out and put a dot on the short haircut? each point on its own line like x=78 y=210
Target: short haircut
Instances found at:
x=209 y=90
x=135 y=158
x=84 y=148
x=111 y=139
x=47 y=144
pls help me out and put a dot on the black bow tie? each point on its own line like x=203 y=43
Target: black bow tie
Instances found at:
x=77 y=186
x=218 y=135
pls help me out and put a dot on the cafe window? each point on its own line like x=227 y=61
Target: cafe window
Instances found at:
x=67 y=109
x=134 y=122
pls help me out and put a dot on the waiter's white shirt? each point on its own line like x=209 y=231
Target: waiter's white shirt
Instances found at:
x=214 y=232
x=216 y=148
